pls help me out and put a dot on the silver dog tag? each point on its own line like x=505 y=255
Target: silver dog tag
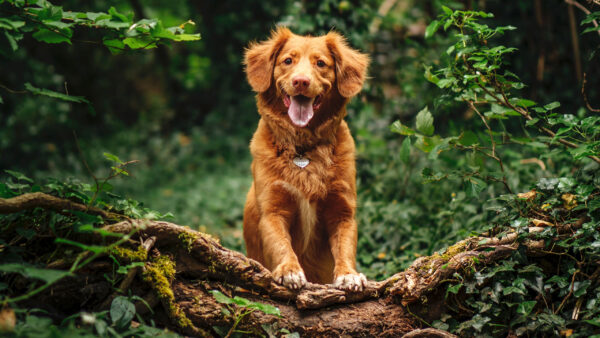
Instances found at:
x=301 y=161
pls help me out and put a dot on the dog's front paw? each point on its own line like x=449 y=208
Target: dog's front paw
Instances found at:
x=290 y=275
x=351 y=282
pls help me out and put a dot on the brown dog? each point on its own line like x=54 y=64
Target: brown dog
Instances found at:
x=299 y=214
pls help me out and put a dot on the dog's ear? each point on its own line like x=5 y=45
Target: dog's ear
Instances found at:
x=260 y=59
x=350 y=65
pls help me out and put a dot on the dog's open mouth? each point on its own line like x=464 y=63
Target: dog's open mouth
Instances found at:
x=301 y=109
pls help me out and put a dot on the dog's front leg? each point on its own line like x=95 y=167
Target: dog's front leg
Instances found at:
x=343 y=233
x=278 y=209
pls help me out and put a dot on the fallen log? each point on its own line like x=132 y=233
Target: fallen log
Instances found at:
x=182 y=268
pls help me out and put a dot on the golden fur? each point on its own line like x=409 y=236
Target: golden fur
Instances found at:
x=299 y=222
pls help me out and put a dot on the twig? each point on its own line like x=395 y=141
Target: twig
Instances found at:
x=585 y=10
x=494 y=155
x=505 y=102
x=569 y=294
x=12 y=91
x=587 y=103
x=41 y=200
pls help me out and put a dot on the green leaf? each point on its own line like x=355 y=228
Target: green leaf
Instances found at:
x=113 y=158
x=243 y=302
x=56 y=95
x=115 y=14
x=398 y=127
x=447 y=10
x=432 y=28
x=552 y=105
x=19 y=176
x=221 y=298
x=10 y=24
x=525 y=103
x=140 y=42
x=475 y=186
x=580 y=288
x=405 y=151
x=430 y=76
x=445 y=83
x=425 y=122
x=511 y=290
x=525 y=308
x=427 y=144
x=115 y=46
x=97 y=16
x=12 y=40
x=47 y=275
x=124 y=269
x=187 y=37
x=61 y=26
x=455 y=288
x=532 y=122
x=122 y=312
x=48 y=36
x=106 y=23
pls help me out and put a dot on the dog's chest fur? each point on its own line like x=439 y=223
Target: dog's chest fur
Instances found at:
x=307 y=185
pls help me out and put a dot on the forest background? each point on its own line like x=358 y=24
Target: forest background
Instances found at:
x=428 y=174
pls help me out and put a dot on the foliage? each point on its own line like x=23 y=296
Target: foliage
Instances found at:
x=21 y=235
x=239 y=307
x=522 y=295
x=186 y=115
x=50 y=24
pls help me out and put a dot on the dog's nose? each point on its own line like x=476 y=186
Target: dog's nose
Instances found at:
x=300 y=81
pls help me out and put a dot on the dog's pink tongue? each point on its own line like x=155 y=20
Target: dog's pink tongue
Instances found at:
x=301 y=110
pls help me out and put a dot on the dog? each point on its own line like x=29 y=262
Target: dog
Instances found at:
x=299 y=217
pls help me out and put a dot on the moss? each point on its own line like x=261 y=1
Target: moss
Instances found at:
x=454 y=250
x=159 y=274
x=128 y=255
x=188 y=238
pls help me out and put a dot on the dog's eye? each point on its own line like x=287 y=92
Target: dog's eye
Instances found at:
x=288 y=61
x=320 y=63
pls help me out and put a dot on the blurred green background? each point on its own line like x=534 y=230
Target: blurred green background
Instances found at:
x=187 y=114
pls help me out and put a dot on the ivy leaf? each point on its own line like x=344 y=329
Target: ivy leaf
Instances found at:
x=525 y=308
x=425 y=122
x=455 y=288
x=580 y=288
x=243 y=302
x=122 y=312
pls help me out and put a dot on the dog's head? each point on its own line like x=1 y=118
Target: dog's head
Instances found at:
x=304 y=74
